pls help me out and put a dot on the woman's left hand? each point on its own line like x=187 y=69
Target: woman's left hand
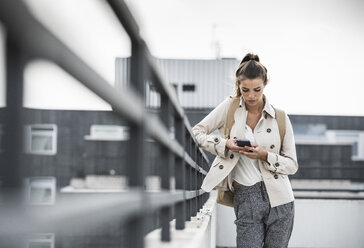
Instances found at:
x=255 y=152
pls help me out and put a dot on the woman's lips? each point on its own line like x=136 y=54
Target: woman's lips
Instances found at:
x=251 y=101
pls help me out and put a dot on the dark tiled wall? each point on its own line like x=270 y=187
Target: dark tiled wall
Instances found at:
x=332 y=122
x=328 y=162
x=75 y=155
x=316 y=161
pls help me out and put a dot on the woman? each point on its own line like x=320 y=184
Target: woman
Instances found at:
x=257 y=175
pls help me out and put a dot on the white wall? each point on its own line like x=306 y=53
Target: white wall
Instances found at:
x=318 y=223
x=47 y=86
x=328 y=223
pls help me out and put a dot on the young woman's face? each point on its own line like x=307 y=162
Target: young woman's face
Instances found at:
x=252 y=91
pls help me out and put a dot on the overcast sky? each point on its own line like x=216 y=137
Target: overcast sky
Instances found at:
x=313 y=49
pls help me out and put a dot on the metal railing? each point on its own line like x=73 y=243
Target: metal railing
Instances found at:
x=26 y=39
x=329 y=194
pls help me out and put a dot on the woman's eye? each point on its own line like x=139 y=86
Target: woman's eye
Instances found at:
x=245 y=90
x=256 y=90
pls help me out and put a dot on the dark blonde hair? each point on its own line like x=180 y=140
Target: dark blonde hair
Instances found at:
x=249 y=68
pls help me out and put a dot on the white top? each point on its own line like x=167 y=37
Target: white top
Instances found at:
x=246 y=171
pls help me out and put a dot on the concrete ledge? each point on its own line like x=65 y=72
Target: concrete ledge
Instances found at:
x=200 y=232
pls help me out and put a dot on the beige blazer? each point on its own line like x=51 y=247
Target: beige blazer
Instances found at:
x=274 y=172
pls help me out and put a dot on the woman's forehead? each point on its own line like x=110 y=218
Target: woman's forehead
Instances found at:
x=252 y=83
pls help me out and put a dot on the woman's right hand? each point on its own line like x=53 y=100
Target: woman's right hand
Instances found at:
x=231 y=145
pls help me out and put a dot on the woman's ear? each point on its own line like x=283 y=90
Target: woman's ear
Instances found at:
x=237 y=85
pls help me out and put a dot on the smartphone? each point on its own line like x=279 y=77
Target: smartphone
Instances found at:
x=243 y=143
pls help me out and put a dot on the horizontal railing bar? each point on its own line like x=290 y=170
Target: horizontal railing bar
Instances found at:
x=126 y=19
x=328 y=198
x=122 y=101
x=329 y=178
x=332 y=168
x=189 y=128
x=158 y=132
x=168 y=90
x=163 y=198
x=161 y=83
x=329 y=194
x=194 y=193
x=193 y=164
x=330 y=190
x=128 y=22
x=73 y=210
x=163 y=87
x=38 y=41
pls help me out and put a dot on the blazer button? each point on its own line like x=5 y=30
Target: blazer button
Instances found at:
x=276 y=164
x=221 y=167
x=216 y=139
x=276 y=176
x=269 y=130
x=272 y=146
x=232 y=156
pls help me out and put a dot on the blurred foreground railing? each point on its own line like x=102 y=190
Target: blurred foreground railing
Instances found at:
x=27 y=39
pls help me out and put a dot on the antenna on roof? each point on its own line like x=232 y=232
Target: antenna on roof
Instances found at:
x=215 y=43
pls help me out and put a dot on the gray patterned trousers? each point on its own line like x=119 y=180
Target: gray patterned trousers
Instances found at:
x=257 y=224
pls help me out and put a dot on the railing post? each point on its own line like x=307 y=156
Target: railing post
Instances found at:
x=180 y=174
x=199 y=179
x=188 y=177
x=13 y=138
x=195 y=173
x=10 y=164
x=136 y=147
x=192 y=175
x=166 y=164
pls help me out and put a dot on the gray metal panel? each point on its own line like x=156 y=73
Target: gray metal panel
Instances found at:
x=122 y=75
x=213 y=79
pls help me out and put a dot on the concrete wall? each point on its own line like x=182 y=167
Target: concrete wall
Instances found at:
x=318 y=223
x=200 y=232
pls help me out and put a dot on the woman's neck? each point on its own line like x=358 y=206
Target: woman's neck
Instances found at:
x=256 y=109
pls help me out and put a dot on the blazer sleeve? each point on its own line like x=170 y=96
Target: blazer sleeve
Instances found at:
x=214 y=120
x=286 y=162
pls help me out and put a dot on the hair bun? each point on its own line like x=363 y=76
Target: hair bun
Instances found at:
x=249 y=57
